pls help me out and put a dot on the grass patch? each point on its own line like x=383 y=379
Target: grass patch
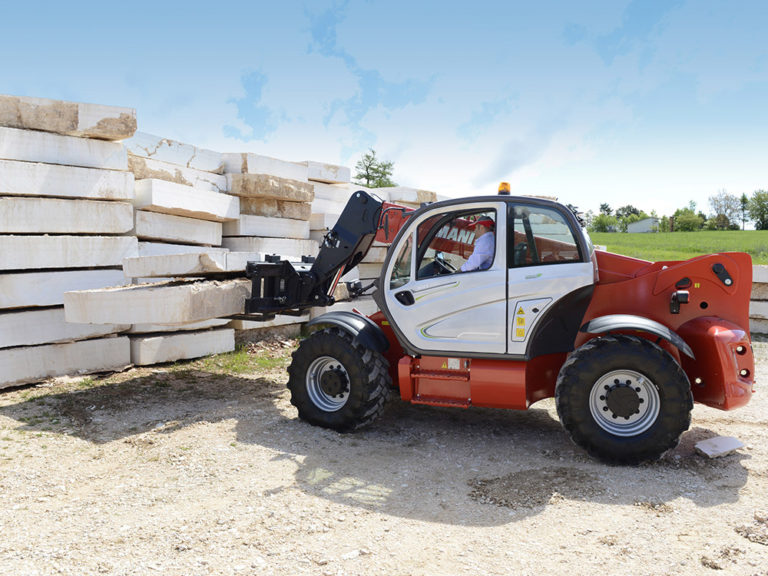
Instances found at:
x=246 y=358
x=685 y=245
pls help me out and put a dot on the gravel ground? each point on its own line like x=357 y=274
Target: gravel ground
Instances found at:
x=192 y=469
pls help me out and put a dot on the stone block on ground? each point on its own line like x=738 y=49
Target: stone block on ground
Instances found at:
x=46 y=326
x=275 y=208
x=26 y=289
x=268 y=186
x=29 y=146
x=68 y=118
x=147 y=168
x=280 y=320
x=288 y=248
x=759 y=291
x=35 y=363
x=758 y=309
x=718 y=446
x=369 y=270
x=248 y=163
x=161 y=248
x=758 y=326
x=161 y=303
x=182 y=200
x=167 y=150
x=192 y=264
x=59 y=216
x=171 y=228
x=36 y=179
x=265 y=227
x=148 y=350
x=37 y=252
x=760 y=274
x=329 y=173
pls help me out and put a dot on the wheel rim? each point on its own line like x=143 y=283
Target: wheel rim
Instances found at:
x=624 y=403
x=327 y=383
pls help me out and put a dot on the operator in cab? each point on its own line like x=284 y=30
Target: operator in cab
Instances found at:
x=485 y=242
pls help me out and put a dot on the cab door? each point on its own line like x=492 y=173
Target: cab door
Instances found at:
x=435 y=306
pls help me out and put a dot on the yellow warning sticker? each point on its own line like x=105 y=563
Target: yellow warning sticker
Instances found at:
x=520 y=332
x=520 y=311
x=521 y=321
x=697 y=285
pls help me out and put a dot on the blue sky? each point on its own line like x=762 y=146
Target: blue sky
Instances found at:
x=650 y=103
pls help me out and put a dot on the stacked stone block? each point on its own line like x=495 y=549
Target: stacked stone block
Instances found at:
x=65 y=222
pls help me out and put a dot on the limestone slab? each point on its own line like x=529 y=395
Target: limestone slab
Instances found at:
x=323 y=221
x=275 y=208
x=265 y=227
x=176 y=265
x=36 y=179
x=339 y=193
x=325 y=206
x=760 y=274
x=285 y=247
x=29 y=146
x=280 y=320
x=167 y=150
x=168 y=303
x=759 y=291
x=38 y=252
x=369 y=270
x=59 y=216
x=329 y=173
x=144 y=168
x=248 y=163
x=157 y=226
x=46 y=326
x=187 y=327
x=68 y=118
x=21 y=290
x=758 y=326
x=159 y=248
x=758 y=309
x=413 y=196
x=182 y=200
x=269 y=186
x=376 y=254
x=148 y=350
x=718 y=446
x=35 y=363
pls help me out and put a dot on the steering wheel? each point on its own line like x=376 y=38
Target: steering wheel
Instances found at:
x=443 y=266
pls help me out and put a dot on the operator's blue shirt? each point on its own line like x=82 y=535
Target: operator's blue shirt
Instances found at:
x=482 y=257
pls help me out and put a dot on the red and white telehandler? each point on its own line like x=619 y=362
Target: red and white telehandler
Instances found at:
x=625 y=346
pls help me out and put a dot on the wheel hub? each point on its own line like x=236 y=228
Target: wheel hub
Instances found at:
x=624 y=403
x=334 y=382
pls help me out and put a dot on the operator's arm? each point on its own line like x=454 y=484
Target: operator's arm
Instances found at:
x=482 y=256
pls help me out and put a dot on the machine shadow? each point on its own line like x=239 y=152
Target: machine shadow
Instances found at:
x=464 y=467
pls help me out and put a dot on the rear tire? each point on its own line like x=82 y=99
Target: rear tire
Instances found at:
x=623 y=399
x=337 y=383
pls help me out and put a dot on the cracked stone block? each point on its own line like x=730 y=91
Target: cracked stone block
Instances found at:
x=36 y=179
x=25 y=289
x=29 y=146
x=158 y=248
x=272 y=208
x=157 y=226
x=248 y=163
x=268 y=186
x=173 y=152
x=47 y=326
x=328 y=173
x=161 y=303
x=35 y=363
x=146 y=168
x=58 y=216
x=248 y=225
x=36 y=252
x=182 y=200
x=718 y=446
x=186 y=327
x=148 y=350
x=68 y=118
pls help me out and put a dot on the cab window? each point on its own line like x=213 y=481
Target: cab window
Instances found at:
x=452 y=243
x=401 y=272
x=540 y=235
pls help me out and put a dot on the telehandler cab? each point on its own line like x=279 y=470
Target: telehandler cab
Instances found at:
x=625 y=346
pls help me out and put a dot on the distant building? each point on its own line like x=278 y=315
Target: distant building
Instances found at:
x=644 y=225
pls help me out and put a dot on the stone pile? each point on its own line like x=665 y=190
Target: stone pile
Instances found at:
x=758 y=306
x=65 y=223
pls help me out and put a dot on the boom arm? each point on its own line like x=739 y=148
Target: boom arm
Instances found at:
x=283 y=287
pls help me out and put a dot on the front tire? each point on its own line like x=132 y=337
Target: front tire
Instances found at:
x=337 y=383
x=623 y=399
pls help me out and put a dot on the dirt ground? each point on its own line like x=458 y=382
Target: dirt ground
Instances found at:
x=190 y=469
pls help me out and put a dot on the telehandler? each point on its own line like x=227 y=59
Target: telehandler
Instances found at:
x=625 y=346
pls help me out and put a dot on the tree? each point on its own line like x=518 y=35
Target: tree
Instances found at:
x=686 y=219
x=744 y=207
x=372 y=172
x=627 y=210
x=758 y=209
x=605 y=209
x=725 y=209
x=603 y=223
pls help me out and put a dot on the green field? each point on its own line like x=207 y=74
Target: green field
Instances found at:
x=684 y=245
